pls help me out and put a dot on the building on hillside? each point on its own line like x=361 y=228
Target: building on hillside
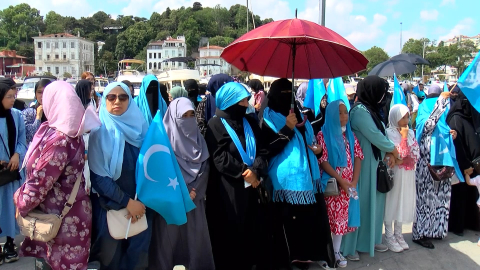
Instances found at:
x=113 y=29
x=63 y=52
x=210 y=63
x=448 y=73
x=100 y=45
x=14 y=65
x=160 y=51
x=460 y=38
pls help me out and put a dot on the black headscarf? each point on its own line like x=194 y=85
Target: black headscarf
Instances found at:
x=42 y=83
x=256 y=85
x=464 y=108
x=84 y=90
x=202 y=89
x=282 y=102
x=217 y=81
x=152 y=96
x=130 y=86
x=192 y=88
x=5 y=86
x=164 y=93
x=371 y=91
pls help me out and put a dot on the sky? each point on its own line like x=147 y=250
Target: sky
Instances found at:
x=365 y=23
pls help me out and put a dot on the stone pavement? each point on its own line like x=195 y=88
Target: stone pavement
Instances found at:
x=452 y=253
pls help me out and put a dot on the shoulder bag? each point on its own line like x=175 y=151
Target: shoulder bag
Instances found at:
x=6 y=175
x=118 y=224
x=44 y=227
x=441 y=173
x=384 y=180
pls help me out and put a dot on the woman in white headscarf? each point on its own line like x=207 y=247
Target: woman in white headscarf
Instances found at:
x=400 y=201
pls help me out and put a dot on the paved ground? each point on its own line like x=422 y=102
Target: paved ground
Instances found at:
x=452 y=253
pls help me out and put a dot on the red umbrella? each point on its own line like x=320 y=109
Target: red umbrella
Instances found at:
x=295 y=48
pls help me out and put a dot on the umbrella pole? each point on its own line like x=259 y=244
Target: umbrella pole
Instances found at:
x=292 y=108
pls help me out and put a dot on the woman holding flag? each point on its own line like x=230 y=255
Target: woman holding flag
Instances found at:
x=238 y=162
x=114 y=149
x=301 y=229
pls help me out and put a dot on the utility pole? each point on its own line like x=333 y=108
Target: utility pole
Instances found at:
x=423 y=56
x=321 y=8
x=247 y=16
x=401 y=29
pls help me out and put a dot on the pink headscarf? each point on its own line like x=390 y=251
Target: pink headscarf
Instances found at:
x=65 y=113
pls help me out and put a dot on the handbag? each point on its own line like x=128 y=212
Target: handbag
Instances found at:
x=384 y=179
x=441 y=173
x=118 y=224
x=6 y=175
x=332 y=188
x=264 y=190
x=43 y=227
x=476 y=164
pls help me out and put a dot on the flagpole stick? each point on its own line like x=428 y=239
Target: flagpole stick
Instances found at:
x=129 y=222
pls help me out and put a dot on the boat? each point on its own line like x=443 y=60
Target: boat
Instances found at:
x=27 y=91
x=177 y=77
x=126 y=72
x=100 y=84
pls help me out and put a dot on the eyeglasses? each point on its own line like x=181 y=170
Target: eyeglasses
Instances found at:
x=113 y=97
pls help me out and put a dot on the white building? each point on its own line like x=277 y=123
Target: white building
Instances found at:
x=160 y=51
x=210 y=63
x=460 y=38
x=60 y=53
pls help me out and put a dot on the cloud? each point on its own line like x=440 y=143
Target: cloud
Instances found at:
x=74 y=8
x=429 y=15
x=446 y=2
x=461 y=28
x=392 y=44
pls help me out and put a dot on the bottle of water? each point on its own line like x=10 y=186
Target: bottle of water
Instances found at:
x=352 y=192
x=389 y=170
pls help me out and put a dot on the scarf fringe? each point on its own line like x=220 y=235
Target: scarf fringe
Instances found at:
x=294 y=197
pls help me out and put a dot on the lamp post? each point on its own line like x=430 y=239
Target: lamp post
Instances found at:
x=321 y=7
x=423 y=56
x=401 y=29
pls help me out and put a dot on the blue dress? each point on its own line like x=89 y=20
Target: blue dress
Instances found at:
x=114 y=195
x=7 y=214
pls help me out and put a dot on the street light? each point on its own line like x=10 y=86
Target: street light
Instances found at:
x=423 y=56
x=321 y=7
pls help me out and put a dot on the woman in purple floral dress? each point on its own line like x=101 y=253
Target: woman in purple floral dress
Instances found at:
x=54 y=161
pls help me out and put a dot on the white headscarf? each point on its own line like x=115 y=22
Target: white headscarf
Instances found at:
x=397 y=112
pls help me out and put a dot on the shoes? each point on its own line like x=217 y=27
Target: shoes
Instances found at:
x=323 y=265
x=424 y=242
x=401 y=241
x=340 y=262
x=9 y=253
x=381 y=248
x=392 y=244
x=354 y=257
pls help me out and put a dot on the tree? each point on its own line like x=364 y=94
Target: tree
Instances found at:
x=106 y=63
x=27 y=50
x=191 y=31
x=67 y=75
x=54 y=23
x=197 y=6
x=20 y=23
x=133 y=40
x=375 y=56
x=220 y=41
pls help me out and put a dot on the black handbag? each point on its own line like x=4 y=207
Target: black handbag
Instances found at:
x=265 y=190
x=6 y=175
x=384 y=180
x=441 y=173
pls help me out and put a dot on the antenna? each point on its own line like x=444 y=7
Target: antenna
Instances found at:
x=296 y=11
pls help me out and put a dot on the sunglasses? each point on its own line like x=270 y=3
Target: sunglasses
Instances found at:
x=113 y=97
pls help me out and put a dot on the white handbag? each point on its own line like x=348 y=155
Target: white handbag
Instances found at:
x=118 y=224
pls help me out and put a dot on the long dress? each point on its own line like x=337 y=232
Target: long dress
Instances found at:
x=107 y=194
x=372 y=202
x=188 y=244
x=301 y=232
x=236 y=219
x=50 y=176
x=400 y=201
x=337 y=206
x=7 y=214
x=433 y=197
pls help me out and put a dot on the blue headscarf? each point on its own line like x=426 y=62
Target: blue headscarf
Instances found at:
x=142 y=101
x=106 y=144
x=442 y=148
x=217 y=81
x=228 y=95
x=332 y=133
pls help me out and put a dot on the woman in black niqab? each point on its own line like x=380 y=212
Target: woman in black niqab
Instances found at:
x=465 y=120
x=84 y=91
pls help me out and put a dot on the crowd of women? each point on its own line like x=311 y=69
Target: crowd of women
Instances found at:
x=257 y=172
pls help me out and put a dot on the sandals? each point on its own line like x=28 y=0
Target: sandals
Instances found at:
x=424 y=242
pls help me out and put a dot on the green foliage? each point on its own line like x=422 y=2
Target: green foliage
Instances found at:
x=375 y=56
x=67 y=75
x=220 y=41
x=133 y=40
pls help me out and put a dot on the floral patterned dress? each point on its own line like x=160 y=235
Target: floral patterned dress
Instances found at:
x=51 y=173
x=337 y=206
x=31 y=123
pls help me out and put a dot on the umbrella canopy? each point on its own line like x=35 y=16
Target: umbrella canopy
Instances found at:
x=180 y=59
x=412 y=58
x=389 y=67
x=279 y=48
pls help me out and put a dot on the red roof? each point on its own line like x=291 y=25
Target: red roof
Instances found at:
x=59 y=35
x=212 y=47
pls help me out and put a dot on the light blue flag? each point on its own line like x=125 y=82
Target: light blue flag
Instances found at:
x=398 y=95
x=415 y=90
x=315 y=92
x=336 y=91
x=160 y=184
x=445 y=87
x=469 y=82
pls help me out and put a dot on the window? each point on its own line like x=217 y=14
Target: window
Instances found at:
x=48 y=69
x=57 y=70
x=155 y=65
x=48 y=45
x=39 y=45
x=154 y=55
x=64 y=56
x=64 y=69
x=73 y=56
x=72 y=44
x=48 y=57
x=39 y=57
x=73 y=70
x=150 y=64
x=56 y=44
x=64 y=45
x=149 y=55
x=159 y=55
x=56 y=56
x=39 y=68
